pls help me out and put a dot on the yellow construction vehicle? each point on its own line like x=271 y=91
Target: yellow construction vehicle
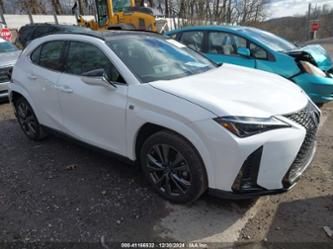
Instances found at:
x=121 y=14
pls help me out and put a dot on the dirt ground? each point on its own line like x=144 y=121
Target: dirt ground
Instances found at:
x=59 y=191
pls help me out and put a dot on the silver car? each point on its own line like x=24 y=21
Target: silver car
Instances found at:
x=8 y=56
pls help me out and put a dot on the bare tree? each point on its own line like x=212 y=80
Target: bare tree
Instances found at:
x=32 y=6
x=2 y=6
x=57 y=7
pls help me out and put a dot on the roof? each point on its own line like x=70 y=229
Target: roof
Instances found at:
x=107 y=35
x=212 y=27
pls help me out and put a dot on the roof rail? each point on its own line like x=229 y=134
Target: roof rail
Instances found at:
x=94 y=34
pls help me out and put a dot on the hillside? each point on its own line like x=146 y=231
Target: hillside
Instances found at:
x=295 y=28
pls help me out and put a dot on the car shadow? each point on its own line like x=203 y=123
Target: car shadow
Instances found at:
x=61 y=190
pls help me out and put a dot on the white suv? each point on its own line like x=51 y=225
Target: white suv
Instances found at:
x=192 y=125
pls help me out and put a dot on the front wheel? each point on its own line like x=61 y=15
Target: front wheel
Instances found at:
x=173 y=167
x=28 y=120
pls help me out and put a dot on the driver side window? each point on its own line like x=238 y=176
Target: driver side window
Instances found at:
x=84 y=57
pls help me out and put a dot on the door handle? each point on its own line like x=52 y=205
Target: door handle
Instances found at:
x=64 y=89
x=32 y=77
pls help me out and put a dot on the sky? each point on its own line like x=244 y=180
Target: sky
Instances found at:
x=281 y=8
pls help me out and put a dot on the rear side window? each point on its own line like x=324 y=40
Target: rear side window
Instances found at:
x=51 y=54
x=193 y=39
x=84 y=57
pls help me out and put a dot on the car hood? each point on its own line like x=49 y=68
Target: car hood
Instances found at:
x=9 y=59
x=234 y=90
x=317 y=54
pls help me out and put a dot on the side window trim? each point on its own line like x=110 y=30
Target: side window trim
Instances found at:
x=66 y=53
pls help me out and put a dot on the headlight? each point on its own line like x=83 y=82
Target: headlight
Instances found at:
x=246 y=126
x=311 y=69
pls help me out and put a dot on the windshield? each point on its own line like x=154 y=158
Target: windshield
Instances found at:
x=7 y=47
x=270 y=40
x=153 y=58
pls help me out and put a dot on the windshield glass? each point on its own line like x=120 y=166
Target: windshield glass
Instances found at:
x=7 y=47
x=153 y=58
x=270 y=40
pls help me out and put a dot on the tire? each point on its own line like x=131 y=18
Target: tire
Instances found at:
x=28 y=120
x=182 y=168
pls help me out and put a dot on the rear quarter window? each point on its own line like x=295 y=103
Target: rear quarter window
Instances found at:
x=49 y=55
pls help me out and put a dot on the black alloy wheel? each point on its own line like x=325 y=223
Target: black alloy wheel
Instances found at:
x=28 y=120
x=173 y=167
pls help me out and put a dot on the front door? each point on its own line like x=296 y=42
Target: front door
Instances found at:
x=93 y=114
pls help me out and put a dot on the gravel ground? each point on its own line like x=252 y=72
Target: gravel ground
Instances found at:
x=56 y=190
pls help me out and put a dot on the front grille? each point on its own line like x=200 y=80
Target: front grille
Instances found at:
x=309 y=118
x=4 y=74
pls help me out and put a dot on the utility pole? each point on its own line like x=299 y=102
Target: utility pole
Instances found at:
x=2 y=11
x=307 y=23
x=229 y=12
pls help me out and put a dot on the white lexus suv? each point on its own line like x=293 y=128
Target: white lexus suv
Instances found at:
x=193 y=125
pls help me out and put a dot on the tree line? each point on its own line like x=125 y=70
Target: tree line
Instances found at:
x=189 y=11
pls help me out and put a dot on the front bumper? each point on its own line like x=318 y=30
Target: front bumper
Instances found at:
x=267 y=163
x=4 y=90
x=4 y=80
x=320 y=89
x=251 y=195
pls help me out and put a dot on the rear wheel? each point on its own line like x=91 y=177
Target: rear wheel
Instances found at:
x=173 y=167
x=28 y=120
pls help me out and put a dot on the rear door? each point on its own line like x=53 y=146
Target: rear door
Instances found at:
x=43 y=73
x=222 y=48
x=93 y=114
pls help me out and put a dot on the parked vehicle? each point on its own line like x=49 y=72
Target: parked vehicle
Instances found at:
x=32 y=31
x=310 y=67
x=191 y=124
x=121 y=15
x=8 y=56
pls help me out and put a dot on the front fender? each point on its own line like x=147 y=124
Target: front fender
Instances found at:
x=320 y=89
x=167 y=111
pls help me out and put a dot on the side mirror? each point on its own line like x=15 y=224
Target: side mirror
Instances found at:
x=244 y=52
x=98 y=77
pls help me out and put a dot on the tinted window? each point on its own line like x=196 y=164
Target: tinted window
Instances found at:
x=84 y=57
x=50 y=56
x=257 y=52
x=193 y=39
x=224 y=43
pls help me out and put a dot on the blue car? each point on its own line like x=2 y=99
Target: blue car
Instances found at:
x=310 y=67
